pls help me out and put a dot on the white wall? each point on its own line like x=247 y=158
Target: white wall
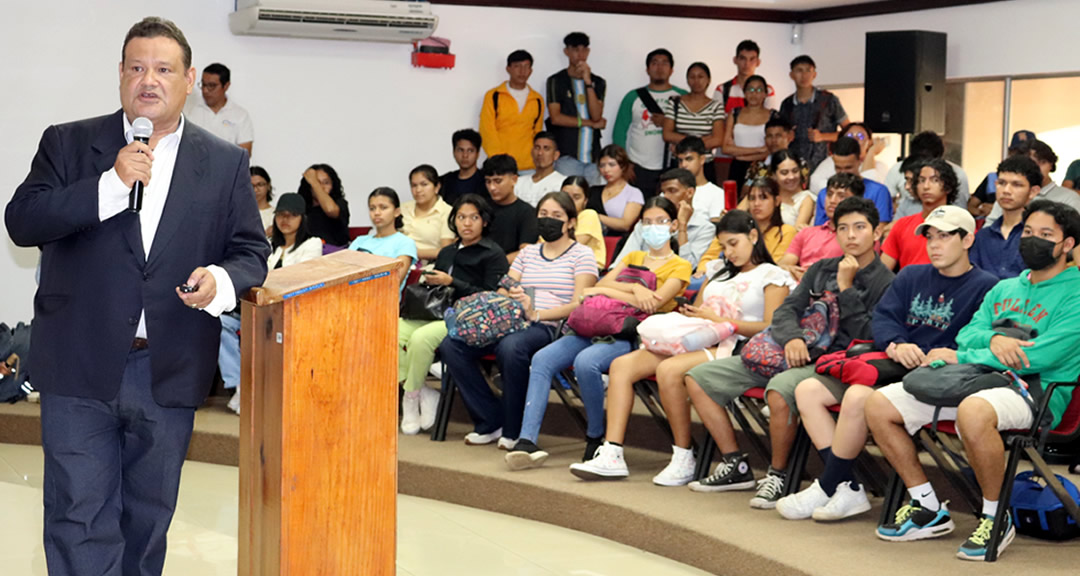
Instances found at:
x=357 y=106
x=995 y=39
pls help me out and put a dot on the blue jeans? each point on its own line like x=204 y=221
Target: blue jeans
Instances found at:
x=229 y=351
x=513 y=354
x=570 y=166
x=590 y=362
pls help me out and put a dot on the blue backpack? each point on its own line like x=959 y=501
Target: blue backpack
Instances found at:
x=1037 y=512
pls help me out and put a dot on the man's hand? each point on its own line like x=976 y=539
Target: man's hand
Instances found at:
x=845 y=272
x=133 y=164
x=585 y=71
x=946 y=354
x=686 y=210
x=596 y=124
x=909 y=355
x=657 y=120
x=813 y=135
x=206 y=289
x=1010 y=351
x=796 y=353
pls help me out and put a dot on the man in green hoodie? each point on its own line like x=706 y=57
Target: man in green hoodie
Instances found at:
x=1045 y=299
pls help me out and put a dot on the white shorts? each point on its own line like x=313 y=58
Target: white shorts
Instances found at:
x=1012 y=410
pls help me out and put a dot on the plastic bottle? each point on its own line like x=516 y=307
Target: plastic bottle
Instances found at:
x=700 y=339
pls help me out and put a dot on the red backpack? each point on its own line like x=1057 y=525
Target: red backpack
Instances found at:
x=862 y=364
x=600 y=315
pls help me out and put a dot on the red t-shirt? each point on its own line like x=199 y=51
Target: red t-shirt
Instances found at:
x=903 y=245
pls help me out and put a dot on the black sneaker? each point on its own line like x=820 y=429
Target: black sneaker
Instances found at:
x=769 y=490
x=974 y=548
x=730 y=474
x=524 y=455
x=913 y=522
x=591 y=446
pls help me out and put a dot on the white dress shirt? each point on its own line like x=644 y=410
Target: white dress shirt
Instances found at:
x=113 y=199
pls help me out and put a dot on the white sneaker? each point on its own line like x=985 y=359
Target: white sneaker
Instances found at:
x=845 y=503
x=506 y=444
x=429 y=407
x=678 y=472
x=608 y=464
x=477 y=439
x=801 y=505
x=436 y=370
x=410 y=412
x=234 y=402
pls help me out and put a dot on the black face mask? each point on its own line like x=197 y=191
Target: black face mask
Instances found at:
x=550 y=228
x=1038 y=253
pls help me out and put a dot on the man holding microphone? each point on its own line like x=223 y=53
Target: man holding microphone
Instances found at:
x=125 y=328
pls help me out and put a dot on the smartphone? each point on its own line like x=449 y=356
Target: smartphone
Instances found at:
x=531 y=292
x=681 y=301
x=427 y=272
x=186 y=289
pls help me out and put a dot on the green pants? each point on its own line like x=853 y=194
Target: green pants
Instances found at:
x=725 y=379
x=417 y=342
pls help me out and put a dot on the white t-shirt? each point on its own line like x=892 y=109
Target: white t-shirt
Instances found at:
x=790 y=213
x=520 y=96
x=746 y=291
x=532 y=192
x=231 y=123
x=267 y=215
x=709 y=199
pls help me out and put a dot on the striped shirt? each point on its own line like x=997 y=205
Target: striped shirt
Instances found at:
x=698 y=123
x=553 y=279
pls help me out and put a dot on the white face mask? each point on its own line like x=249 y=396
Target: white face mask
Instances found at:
x=656 y=236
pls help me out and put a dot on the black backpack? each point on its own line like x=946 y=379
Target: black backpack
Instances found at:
x=15 y=353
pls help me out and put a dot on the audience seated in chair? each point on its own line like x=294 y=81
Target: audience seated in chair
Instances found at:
x=695 y=232
x=264 y=197
x=763 y=203
x=425 y=217
x=751 y=286
x=935 y=185
x=588 y=231
x=327 y=208
x=997 y=245
x=708 y=197
x=467 y=179
x=925 y=145
x=869 y=167
x=532 y=187
x=385 y=238
x=845 y=155
x=796 y=202
x=1046 y=159
x=513 y=225
x=591 y=359
x=618 y=203
x=1045 y=299
x=917 y=319
x=816 y=242
x=858 y=279
x=472 y=263
x=557 y=272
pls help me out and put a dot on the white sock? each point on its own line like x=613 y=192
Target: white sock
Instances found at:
x=926 y=496
x=677 y=451
x=990 y=508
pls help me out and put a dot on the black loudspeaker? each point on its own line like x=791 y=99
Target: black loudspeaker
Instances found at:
x=905 y=81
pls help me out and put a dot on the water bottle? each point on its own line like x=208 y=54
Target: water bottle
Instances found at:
x=699 y=339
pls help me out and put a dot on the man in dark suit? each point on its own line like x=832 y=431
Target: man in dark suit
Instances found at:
x=123 y=356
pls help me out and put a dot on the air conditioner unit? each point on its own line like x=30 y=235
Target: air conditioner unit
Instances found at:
x=371 y=20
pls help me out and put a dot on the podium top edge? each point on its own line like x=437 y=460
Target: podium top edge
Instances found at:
x=340 y=267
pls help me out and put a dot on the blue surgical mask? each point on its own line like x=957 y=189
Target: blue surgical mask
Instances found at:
x=656 y=235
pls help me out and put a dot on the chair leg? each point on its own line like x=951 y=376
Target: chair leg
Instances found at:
x=796 y=467
x=644 y=391
x=705 y=457
x=894 y=496
x=1043 y=469
x=760 y=447
x=997 y=532
x=564 y=396
x=446 y=403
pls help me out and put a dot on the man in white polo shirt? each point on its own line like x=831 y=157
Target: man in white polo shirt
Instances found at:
x=216 y=113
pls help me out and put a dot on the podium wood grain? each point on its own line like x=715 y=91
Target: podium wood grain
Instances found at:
x=318 y=437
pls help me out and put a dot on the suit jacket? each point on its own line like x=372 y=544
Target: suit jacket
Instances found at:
x=95 y=279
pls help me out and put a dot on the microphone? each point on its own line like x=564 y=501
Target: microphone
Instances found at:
x=141 y=130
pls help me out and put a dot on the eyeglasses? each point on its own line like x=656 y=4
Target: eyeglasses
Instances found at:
x=260 y=185
x=754 y=90
x=661 y=222
x=856 y=135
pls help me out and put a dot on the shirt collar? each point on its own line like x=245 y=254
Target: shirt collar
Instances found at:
x=168 y=140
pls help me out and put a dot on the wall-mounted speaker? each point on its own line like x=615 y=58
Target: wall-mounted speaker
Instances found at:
x=905 y=81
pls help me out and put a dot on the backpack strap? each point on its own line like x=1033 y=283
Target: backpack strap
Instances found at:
x=647 y=99
x=495 y=102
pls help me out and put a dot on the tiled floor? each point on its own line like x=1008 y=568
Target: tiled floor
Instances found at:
x=434 y=538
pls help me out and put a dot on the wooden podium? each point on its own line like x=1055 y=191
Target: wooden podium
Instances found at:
x=318 y=419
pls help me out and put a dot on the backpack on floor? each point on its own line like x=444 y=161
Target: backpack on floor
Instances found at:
x=1036 y=510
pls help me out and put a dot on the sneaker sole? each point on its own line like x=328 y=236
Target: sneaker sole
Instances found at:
x=920 y=533
x=471 y=443
x=523 y=460
x=411 y=432
x=699 y=487
x=591 y=475
x=825 y=517
x=672 y=483
x=762 y=504
x=1009 y=536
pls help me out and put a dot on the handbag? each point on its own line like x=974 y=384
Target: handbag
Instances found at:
x=763 y=356
x=484 y=318
x=601 y=315
x=425 y=301
x=675 y=333
x=1037 y=511
x=861 y=363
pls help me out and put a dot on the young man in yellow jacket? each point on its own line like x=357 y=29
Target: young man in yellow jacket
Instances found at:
x=512 y=113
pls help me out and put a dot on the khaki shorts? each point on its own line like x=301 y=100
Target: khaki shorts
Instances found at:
x=1012 y=410
x=726 y=379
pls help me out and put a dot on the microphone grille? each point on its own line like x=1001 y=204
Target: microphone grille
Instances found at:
x=142 y=128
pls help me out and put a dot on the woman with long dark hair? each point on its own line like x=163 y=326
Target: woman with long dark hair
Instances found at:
x=425 y=216
x=763 y=203
x=328 y=211
x=264 y=196
x=751 y=287
x=590 y=358
x=696 y=114
x=744 y=130
x=618 y=203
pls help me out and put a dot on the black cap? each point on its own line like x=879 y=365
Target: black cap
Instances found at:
x=293 y=203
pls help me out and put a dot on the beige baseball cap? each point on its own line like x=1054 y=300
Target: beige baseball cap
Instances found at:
x=948 y=219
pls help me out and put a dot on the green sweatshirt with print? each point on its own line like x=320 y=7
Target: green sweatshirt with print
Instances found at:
x=1052 y=308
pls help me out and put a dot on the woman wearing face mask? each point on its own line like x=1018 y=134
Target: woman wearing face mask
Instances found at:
x=591 y=359
x=696 y=114
x=588 y=231
x=744 y=131
x=384 y=209
x=473 y=264
x=749 y=283
x=426 y=216
x=292 y=243
x=796 y=203
x=763 y=199
x=553 y=276
x=617 y=203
